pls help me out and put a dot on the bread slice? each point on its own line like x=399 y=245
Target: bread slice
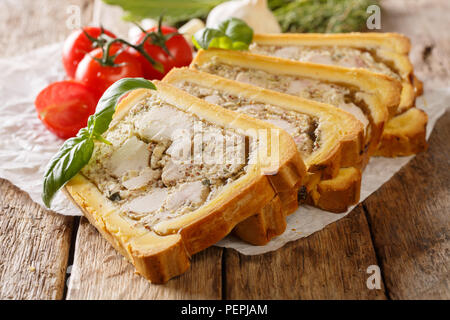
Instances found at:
x=367 y=95
x=337 y=133
x=147 y=222
x=385 y=53
x=405 y=134
x=336 y=194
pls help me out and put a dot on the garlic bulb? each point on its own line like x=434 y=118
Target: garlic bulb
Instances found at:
x=254 y=12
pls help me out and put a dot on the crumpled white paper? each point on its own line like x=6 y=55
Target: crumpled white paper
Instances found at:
x=26 y=146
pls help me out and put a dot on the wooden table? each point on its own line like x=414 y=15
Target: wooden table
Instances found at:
x=403 y=228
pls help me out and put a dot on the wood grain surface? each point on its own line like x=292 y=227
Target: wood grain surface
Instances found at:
x=34 y=247
x=409 y=215
x=409 y=218
x=403 y=228
x=330 y=264
x=99 y=272
x=35 y=242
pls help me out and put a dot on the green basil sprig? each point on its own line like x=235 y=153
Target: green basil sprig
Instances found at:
x=232 y=34
x=76 y=152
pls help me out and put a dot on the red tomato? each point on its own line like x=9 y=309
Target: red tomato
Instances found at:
x=181 y=53
x=77 y=45
x=64 y=107
x=98 y=78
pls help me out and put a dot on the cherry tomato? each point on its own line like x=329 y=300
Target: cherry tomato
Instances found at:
x=77 y=45
x=180 y=53
x=64 y=107
x=98 y=77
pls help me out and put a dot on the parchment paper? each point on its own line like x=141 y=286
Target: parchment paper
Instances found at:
x=26 y=146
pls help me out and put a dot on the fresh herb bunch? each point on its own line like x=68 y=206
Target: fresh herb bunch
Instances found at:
x=322 y=16
x=76 y=152
x=293 y=15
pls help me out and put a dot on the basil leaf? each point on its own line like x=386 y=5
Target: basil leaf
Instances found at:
x=237 y=30
x=232 y=34
x=107 y=105
x=221 y=42
x=70 y=159
x=76 y=152
x=238 y=45
x=202 y=38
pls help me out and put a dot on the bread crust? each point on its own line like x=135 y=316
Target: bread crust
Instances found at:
x=337 y=194
x=398 y=139
x=389 y=41
x=404 y=68
x=379 y=91
x=334 y=195
x=340 y=129
x=392 y=48
x=418 y=85
x=260 y=228
x=404 y=134
x=266 y=224
x=153 y=265
x=164 y=252
x=387 y=88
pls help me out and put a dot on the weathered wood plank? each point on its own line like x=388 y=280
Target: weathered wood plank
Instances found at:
x=34 y=242
x=330 y=264
x=409 y=214
x=34 y=247
x=100 y=272
x=409 y=218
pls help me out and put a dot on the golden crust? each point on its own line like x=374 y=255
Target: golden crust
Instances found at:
x=385 y=87
x=291 y=168
x=389 y=41
x=340 y=129
x=404 y=134
x=404 y=69
x=408 y=97
x=150 y=262
x=164 y=252
x=390 y=47
x=260 y=228
x=334 y=195
x=418 y=85
x=378 y=91
x=337 y=194
x=266 y=224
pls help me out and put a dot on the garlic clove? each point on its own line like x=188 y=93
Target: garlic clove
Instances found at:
x=255 y=13
x=190 y=28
